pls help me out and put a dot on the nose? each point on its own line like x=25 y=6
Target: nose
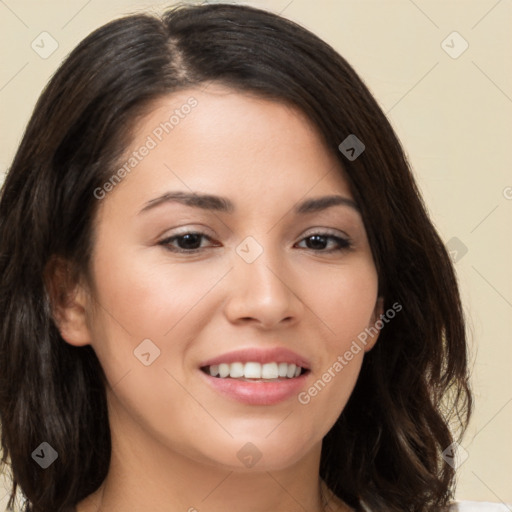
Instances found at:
x=264 y=292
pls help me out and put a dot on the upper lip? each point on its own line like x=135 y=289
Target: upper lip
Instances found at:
x=258 y=355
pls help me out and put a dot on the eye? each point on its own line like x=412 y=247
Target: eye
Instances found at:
x=318 y=242
x=189 y=242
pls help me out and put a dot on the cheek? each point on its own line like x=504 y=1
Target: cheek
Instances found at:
x=344 y=301
x=144 y=295
x=139 y=299
x=346 y=307
x=166 y=304
x=329 y=391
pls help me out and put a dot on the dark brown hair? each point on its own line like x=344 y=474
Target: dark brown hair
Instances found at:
x=385 y=448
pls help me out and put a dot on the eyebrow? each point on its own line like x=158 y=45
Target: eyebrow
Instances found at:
x=224 y=205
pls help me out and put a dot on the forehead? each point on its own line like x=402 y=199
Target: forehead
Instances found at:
x=221 y=141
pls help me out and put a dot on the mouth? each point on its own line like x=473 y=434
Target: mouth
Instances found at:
x=255 y=376
x=254 y=371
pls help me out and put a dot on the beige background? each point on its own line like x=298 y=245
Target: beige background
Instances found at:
x=453 y=115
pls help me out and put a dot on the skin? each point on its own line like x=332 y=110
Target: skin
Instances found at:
x=175 y=439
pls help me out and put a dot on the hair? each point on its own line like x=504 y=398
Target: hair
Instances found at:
x=412 y=395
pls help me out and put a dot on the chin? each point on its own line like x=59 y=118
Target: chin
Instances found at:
x=260 y=453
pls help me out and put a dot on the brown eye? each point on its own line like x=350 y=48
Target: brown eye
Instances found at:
x=186 y=242
x=320 y=241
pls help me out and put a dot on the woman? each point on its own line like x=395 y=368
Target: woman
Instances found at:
x=220 y=286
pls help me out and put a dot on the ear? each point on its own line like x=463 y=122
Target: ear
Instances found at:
x=372 y=330
x=69 y=302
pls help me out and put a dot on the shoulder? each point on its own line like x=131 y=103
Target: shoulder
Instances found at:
x=479 y=506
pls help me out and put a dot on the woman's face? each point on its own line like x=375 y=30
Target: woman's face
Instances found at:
x=249 y=280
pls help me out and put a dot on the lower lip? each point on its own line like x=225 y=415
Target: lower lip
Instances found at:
x=257 y=392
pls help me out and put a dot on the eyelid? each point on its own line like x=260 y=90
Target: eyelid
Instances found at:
x=185 y=230
x=326 y=231
x=202 y=230
x=329 y=232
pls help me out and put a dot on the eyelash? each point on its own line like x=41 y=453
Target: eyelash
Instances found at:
x=344 y=244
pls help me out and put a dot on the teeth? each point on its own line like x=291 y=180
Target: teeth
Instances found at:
x=255 y=370
x=223 y=370
x=269 y=371
x=236 y=370
x=291 y=371
x=252 y=371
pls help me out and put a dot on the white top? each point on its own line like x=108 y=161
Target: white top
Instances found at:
x=475 y=506
x=480 y=506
